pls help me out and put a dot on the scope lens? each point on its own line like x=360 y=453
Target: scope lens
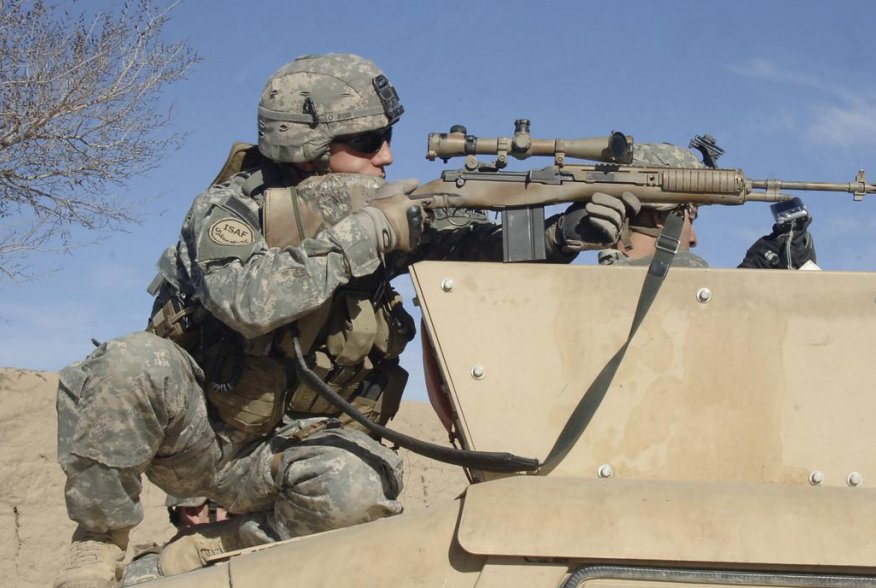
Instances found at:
x=619 y=147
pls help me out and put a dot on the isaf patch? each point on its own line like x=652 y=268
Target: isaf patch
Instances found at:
x=230 y=231
x=226 y=235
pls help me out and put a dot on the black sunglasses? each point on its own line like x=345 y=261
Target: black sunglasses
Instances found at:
x=369 y=142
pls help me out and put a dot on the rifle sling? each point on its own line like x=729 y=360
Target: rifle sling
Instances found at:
x=667 y=247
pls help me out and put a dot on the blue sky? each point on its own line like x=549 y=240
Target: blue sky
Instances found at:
x=787 y=88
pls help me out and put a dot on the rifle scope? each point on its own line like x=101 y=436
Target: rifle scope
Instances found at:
x=615 y=148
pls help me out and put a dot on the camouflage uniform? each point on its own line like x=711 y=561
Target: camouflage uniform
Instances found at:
x=619 y=258
x=137 y=404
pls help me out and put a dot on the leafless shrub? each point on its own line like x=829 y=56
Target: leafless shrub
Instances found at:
x=80 y=115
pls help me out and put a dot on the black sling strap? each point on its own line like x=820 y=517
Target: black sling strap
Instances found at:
x=479 y=460
x=667 y=247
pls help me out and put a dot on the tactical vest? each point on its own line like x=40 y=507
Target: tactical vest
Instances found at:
x=352 y=340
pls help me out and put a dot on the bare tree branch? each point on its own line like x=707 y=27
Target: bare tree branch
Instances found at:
x=80 y=115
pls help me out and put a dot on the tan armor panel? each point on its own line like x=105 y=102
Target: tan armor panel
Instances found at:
x=634 y=521
x=711 y=436
x=734 y=375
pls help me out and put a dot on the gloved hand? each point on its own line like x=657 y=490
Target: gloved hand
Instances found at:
x=404 y=216
x=597 y=223
x=787 y=247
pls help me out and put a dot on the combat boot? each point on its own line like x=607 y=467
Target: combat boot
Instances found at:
x=195 y=548
x=93 y=560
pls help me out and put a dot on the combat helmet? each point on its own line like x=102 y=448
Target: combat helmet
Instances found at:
x=663 y=155
x=660 y=155
x=312 y=100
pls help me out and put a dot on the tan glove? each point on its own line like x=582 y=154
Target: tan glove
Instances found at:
x=597 y=223
x=403 y=216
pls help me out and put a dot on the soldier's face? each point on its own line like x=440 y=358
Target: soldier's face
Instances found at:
x=644 y=246
x=688 y=238
x=344 y=158
x=688 y=233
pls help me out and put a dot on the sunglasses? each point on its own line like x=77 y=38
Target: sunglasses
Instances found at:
x=369 y=143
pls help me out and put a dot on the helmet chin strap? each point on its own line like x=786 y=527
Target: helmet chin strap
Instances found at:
x=318 y=166
x=650 y=231
x=321 y=163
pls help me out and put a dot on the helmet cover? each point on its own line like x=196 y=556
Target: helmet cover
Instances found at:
x=309 y=102
x=663 y=155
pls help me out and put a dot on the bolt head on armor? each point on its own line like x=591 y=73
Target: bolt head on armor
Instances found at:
x=309 y=102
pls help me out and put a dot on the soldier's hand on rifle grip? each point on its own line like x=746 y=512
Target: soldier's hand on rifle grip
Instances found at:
x=404 y=215
x=415 y=225
x=598 y=223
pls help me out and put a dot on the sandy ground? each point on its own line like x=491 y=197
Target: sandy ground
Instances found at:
x=34 y=528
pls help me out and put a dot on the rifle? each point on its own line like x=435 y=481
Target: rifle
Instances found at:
x=521 y=196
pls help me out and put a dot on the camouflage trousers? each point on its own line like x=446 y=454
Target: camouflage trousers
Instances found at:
x=136 y=406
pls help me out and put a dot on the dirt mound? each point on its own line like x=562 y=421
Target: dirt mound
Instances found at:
x=34 y=528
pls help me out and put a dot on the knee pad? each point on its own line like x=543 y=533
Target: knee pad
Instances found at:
x=331 y=482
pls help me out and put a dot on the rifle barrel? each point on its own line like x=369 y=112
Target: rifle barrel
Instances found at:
x=859 y=187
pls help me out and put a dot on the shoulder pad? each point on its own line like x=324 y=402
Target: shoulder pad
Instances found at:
x=612 y=257
x=242 y=156
x=689 y=259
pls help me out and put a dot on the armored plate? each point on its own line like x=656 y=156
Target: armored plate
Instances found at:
x=734 y=375
x=629 y=522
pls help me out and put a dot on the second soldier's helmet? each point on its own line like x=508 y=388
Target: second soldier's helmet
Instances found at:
x=663 y=155
x=312 y=100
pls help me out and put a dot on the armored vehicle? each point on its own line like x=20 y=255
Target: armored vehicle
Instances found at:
x=723 y=440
